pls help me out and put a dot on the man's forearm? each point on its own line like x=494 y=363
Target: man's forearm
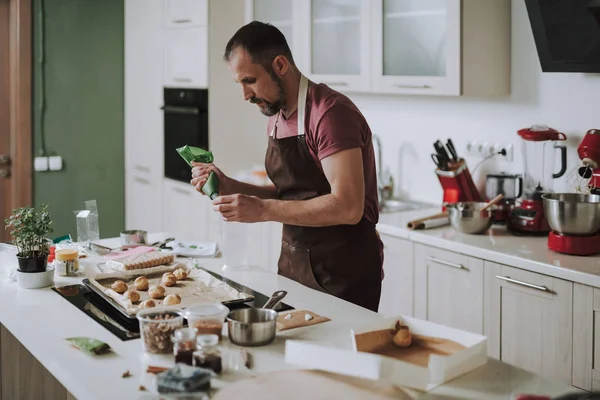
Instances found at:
x=321 y=211
x=264 y=192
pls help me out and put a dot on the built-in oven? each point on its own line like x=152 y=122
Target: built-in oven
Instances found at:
x=185 y=123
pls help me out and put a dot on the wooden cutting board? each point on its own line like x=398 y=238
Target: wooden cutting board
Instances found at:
x=309 y=384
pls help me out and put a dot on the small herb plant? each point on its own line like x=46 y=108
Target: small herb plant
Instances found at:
x=30 y=230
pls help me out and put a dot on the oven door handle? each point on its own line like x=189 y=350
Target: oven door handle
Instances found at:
x=181 y=110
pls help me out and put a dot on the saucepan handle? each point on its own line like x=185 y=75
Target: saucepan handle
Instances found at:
x=275 y=299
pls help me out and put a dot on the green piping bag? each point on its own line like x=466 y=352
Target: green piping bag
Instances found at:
x=196 y=154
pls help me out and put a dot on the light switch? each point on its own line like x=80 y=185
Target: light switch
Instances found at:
x=55 y=163
x=40 y=164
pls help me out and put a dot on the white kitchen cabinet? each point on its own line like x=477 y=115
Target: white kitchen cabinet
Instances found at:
x=336 y=45
x=397 y=288
x=586 y=337
x=529 y=321
x=284 y=15
x=441 y=47
x=448 y=288
x=143 y=117
x=185 y=13
x=186 y=58
x=185 y=211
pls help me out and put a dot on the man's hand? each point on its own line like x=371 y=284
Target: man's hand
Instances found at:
x=240 y=208
x=200 y=173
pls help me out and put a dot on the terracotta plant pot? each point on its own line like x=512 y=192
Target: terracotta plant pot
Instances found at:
x=33 y=264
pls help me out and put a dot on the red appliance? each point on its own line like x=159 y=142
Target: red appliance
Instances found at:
x=538 y=145
x=458 y=184
x=589 y=153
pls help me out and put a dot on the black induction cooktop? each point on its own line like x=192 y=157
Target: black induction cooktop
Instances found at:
x=125 y=328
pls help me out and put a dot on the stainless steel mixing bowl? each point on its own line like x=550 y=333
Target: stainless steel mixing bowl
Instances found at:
x=467 y=217
x=572 y=214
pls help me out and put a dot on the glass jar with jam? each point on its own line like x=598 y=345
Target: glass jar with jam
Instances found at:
x=184 y=344
x=207 y=354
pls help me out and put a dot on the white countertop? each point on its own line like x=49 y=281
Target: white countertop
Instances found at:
x=41 y=319
x=497 y=245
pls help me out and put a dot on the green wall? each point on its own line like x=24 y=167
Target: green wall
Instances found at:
x=84 y=121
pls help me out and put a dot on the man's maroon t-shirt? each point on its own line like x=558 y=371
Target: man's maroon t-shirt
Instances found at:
x=332 y=124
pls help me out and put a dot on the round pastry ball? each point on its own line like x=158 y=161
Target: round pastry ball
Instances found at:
x=119 y=287
x=147 y=304
x=403 y=337
x=180 y=274
x=141 y=283
x=132 y=295
x=156 y=292
x=172 y=299
x=168 y=279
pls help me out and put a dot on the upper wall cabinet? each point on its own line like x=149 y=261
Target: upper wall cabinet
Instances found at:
x=441 y=47
x=425 y=47
x=336 y=43
x=184 y=13
x=283 y=14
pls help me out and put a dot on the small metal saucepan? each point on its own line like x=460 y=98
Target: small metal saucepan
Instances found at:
x=255 y=326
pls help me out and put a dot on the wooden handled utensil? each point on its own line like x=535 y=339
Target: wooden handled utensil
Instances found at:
x=492 y=202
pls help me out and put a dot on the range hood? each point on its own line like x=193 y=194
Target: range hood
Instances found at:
x=566 y=34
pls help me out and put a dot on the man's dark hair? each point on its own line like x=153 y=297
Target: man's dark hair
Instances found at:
x=262 y=41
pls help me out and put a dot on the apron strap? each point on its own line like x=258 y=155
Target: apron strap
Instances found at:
x=302 y=92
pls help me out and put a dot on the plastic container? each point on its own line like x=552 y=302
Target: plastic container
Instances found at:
x=235 y=245
x=157 y=326
x=207 y=318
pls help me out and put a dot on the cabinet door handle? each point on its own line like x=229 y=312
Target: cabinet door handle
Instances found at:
x=336 y=83
x=529 y=285
x=181 y=21
x=446 y=263
x=141 y=168
x=404 y=86
x=182 y=79
x=141 y=180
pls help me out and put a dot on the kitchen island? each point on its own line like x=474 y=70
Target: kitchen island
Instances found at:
x=41 y=320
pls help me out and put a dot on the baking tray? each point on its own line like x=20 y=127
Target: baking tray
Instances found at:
x=128 y=314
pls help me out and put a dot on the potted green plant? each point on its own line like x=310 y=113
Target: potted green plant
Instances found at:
x=30 y=229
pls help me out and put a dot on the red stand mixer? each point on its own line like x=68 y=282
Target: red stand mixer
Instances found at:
x=538 y=150
x=575 y=217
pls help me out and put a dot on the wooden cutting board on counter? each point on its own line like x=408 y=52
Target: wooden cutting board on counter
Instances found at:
x=309 y=384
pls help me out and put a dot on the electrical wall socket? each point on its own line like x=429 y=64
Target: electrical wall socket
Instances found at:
x=40 y=164
x=484 y=149
x=55 y=163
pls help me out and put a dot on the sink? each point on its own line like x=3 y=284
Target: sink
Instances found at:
x=395 y=205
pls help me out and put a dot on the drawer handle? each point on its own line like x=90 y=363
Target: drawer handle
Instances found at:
x=141 y=180
x=336 y=83
x=446 y=263
x=182 y=79
x=529 y=285
x=404 y=86
x=181 y=21
x=141 y=168
x=182 y=191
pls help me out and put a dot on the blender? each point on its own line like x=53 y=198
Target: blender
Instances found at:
x=575 y=217
x=510 y=186
x=538 y=150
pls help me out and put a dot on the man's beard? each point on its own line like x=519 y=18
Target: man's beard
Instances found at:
x=269 y=109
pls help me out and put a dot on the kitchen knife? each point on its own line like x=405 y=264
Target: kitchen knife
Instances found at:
x=452 y=150
x=443 y=156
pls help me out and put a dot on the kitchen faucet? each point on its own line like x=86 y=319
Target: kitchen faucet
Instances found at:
x=384 y=191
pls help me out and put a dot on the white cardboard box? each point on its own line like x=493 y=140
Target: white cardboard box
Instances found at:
x=351 y=362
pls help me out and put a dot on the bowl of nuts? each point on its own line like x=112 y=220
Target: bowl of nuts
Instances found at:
x=157 y=325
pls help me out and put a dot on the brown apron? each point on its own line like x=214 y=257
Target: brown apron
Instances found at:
x=342 y=260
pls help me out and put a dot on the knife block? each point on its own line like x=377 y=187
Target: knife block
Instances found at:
x=457 y=184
